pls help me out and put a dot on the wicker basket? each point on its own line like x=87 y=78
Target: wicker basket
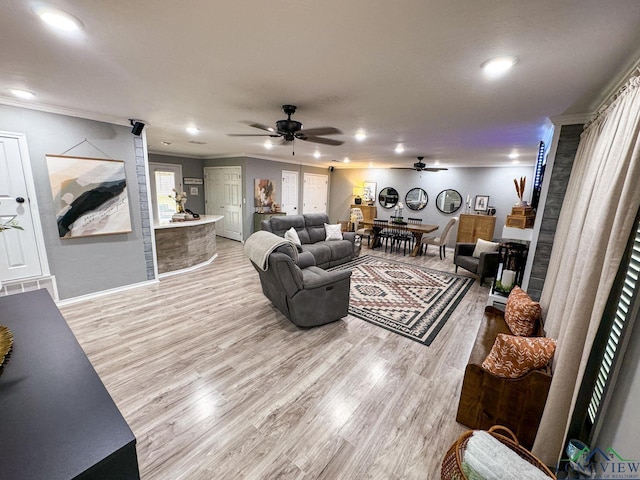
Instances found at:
x=452 y=462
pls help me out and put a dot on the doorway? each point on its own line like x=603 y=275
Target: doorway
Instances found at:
x=223 y=196
x=23 y=260
x=290 y=192
x=315 y=193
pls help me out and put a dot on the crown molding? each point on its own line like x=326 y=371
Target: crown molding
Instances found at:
x=574 y=119
x=70 y=112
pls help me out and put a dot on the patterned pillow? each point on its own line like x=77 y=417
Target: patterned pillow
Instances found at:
x=333 y=232
x=484 y=246
x=514 y=357
x=521 y=313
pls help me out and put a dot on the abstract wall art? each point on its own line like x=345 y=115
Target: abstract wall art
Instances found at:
x=89 y=196
x=265 y=193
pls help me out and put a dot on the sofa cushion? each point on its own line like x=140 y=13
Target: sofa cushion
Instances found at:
x=514 y=357
x=483 y=246
x=292 y=236
x=320 y=251
x=521 y=313
x=341 y=251
x=468 y=263
x=332 y=232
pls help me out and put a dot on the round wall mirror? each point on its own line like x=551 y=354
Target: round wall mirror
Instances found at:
x=388 y=197
x=448 y=201
x=416 y=199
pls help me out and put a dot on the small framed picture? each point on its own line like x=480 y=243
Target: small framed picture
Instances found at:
x=193 y=191
x=369 y=192
x=481 y=204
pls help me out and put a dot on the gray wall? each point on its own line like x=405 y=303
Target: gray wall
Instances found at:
x=253 y=168
x=191 y=167
x=495 y=182
x=90 y=264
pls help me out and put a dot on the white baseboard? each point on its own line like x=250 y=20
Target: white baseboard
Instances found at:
x=103 y=293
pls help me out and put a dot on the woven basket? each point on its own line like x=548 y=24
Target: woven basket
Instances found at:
x=452 y=462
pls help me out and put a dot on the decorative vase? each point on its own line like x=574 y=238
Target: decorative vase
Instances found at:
x=179 y=208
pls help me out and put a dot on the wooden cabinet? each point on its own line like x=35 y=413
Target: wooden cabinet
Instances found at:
x=258 y=217
x=473 y=227
x=369 y=212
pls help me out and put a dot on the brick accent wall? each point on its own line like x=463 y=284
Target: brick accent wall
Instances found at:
x=147 y=231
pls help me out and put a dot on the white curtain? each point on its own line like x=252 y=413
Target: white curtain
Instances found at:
x=601 y=201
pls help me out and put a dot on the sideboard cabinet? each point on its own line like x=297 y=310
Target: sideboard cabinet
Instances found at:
x=473 y=227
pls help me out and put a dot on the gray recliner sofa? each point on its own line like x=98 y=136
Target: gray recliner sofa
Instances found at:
x=307 y=295
x=310 y=229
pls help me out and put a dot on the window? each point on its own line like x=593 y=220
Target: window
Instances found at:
x=625 y=311
x=164 y=178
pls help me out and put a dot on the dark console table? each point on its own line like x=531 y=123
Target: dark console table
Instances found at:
x=57 y=420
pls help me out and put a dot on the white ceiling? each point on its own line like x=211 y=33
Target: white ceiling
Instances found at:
x=404 y=71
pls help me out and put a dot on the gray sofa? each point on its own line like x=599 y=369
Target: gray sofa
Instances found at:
x=304 y=293
x=310 y=228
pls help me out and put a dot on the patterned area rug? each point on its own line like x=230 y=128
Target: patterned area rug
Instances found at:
x=409 y=300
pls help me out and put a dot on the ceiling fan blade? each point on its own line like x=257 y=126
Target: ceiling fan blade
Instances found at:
x=252 y=135
x=320 y=131
x=325 y=141
x=433 y=169
x=262 y=127
x=402 y=168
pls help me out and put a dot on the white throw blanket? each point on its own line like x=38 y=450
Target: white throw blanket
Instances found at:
x=489 y=459
x=260 y=244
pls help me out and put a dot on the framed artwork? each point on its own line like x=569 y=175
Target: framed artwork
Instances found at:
x=193 y=191
x=89 y=196
x=193 y=181
x=369 y=194
x=481 y=203
x=265 y=193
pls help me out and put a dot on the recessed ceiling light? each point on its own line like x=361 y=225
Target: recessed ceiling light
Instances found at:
x=360 y=135
x=59 y=19
x=515 y=162
x=316 y=154
x=498 y=66
x=436 y=162
x=24 y=94
x=399 y=148
x=195 y=142
x=192 y=130
x=268 y=145
x=513 y=155
x=346 y=160
x=370 y=164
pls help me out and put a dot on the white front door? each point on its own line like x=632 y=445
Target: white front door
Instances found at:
x=290 y=192
x=315 y=193
x=19 y=253
x=223 y=196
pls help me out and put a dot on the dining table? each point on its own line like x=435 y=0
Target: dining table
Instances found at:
x=417 y=229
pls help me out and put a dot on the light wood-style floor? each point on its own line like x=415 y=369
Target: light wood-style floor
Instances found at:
x=217 y=384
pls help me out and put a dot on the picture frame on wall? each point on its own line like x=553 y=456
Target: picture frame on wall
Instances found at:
x=481 y=203
x=369 y=195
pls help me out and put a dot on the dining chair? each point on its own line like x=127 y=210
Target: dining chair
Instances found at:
x=382 y=227
x=401 y=234
x=356 y=217
x=441 y=240
x=414 y=221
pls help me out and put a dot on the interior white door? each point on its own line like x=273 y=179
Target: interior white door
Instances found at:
x=19 y=255
x=314 y=193
x=223 y=196
x=290 y=192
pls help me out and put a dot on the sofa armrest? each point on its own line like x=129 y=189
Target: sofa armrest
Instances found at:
x=305 y=259
x=488 y=264
x=314 y=277
x=351 y=236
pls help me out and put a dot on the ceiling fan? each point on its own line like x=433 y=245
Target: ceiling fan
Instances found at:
x=419 y=166
x=290 y=130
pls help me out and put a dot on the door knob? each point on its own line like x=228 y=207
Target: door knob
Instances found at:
x=20 y=200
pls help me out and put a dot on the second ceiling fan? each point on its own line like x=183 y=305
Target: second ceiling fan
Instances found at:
x=420 y=166
x=290 y=130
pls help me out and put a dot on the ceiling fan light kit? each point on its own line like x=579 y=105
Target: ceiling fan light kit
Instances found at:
x=420 y=166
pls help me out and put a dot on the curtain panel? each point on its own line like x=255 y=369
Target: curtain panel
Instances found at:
x=602 y=198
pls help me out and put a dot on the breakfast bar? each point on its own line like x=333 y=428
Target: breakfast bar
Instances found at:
x=186 y=245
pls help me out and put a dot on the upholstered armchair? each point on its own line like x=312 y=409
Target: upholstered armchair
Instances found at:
x=357 y=217
x=485 y=266
x=307 y=295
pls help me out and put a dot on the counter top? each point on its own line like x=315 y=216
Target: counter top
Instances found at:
x=190 y=223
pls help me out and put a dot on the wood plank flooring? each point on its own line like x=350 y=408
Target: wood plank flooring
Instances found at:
x=217 y=384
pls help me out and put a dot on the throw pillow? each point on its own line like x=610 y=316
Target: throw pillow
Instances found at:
x=483 y=246
x=292 y=236
x=514 y=357
x=333 y=232
x=521 y=313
